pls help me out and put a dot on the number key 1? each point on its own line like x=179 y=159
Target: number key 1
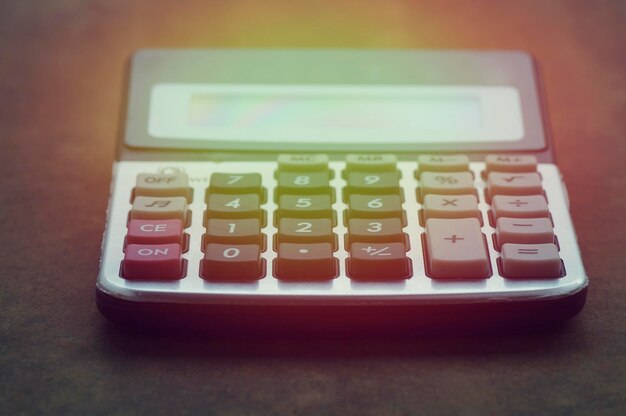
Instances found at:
x=233 y=231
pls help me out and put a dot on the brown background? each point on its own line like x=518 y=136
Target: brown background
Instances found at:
x=61 y=70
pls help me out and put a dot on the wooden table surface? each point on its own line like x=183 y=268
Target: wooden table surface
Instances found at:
x=61 y=82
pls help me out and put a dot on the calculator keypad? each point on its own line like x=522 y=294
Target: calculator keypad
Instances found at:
x=367 y=219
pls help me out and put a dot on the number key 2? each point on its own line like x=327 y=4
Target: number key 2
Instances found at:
x=299 y=230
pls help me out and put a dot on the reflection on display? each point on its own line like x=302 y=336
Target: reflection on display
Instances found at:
x=348 y=113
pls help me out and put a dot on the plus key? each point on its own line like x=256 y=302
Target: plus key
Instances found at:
x=456 y=249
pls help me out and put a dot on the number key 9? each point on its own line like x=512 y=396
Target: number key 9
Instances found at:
x=373 y=183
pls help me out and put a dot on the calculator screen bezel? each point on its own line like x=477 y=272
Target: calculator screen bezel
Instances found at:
x=342 y=67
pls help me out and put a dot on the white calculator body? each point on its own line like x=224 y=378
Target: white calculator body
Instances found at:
x=337 y=188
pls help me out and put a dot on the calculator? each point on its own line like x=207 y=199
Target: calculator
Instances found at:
x=304 y=188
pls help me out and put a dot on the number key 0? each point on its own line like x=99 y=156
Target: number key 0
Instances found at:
x=232 y=262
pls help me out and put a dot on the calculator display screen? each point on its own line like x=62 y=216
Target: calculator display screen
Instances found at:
x=349 y=113
x=335 y=114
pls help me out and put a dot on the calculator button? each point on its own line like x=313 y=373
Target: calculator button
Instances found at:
x=300 y=230
x=374 y=206
x=371 y=163
x=530 y=261
x=303 y=183
x=514 y=184
x=383 y=230
x=170 y=184
x=510 y=163
x=233 y=206
x=154 y=232
x=232 y=262
x=529 y=206
x=451 y=206
x=524 y=231
x=305 y=206
x=456 y=249
x=373 y=183
x=152 y=262
x=159 y=208
x=233 y=231
x=446 y=183
x=235 y=183
x=305 y=262
x=442 y=163
x=302 y=162
x=378 y=261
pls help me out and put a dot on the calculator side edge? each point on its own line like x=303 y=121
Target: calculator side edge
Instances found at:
x=371 y=317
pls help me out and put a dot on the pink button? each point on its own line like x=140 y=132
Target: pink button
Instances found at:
x=154 y=232
x=152 y=262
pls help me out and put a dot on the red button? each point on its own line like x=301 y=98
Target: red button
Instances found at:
x=155 y=232
x=152 y=262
